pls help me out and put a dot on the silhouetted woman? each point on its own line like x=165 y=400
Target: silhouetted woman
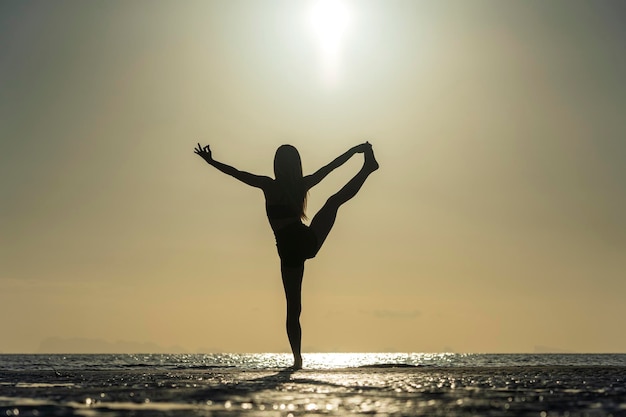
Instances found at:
x=285 y=204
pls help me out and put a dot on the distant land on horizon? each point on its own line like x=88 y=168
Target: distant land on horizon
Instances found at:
x=549 y=349
x=84 y=345
x=78 y=345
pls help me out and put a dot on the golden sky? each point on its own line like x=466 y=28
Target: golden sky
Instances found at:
x=495 y=224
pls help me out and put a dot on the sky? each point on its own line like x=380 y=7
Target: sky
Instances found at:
x=494 y=224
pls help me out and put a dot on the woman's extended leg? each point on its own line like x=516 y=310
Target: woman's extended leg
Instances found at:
x=323 y=221
x=292 y=282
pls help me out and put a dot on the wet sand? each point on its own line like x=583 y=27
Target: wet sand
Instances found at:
x=411 y=391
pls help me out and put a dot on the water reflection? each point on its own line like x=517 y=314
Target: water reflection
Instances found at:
x=415 y=391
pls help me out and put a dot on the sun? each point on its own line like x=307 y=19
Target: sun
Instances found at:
x=330 y=21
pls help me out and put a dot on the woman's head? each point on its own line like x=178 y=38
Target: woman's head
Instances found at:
x=287 y=163
x=288 y=173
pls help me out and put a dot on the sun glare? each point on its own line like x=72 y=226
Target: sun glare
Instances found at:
x=330 y=21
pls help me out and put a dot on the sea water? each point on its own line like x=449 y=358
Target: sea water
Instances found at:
x=409 y=384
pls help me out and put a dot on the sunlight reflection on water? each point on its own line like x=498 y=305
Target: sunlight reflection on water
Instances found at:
x=311 y=360
x=337 y=384
x=351 y=360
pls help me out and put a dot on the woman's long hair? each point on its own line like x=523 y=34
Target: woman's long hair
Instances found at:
x=288 y=172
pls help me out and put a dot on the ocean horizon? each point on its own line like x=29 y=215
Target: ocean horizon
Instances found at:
x=312 y=360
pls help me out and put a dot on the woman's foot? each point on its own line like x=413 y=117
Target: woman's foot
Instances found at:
x=370 y=160
x=297 y=363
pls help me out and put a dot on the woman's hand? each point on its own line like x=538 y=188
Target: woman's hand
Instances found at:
x=362 y=147
x=205 y=152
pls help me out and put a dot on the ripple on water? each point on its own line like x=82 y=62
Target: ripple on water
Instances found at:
x=407 y=391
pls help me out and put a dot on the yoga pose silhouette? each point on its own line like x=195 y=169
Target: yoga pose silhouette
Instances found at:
x=285 y=204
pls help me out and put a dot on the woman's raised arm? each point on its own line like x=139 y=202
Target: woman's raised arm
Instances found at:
x=315 y=178
x=258 y=181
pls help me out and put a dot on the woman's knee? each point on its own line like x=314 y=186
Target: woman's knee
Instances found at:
x=294 y=309
x=333 y=203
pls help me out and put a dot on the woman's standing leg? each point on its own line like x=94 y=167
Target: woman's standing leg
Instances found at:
x=292 y=282
x=323 y=221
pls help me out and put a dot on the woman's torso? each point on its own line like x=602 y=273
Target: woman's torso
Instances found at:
x=280 y=210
